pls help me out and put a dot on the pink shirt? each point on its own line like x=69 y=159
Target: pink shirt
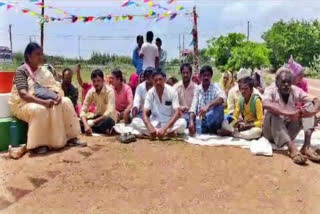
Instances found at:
x=303 y=85
x=85 y=88
x=123 y=98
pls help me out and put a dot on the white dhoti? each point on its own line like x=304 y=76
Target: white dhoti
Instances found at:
x=179 y=126
x=250 y=134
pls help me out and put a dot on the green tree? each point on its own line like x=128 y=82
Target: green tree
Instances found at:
x=249 y=55
x=298 y=38
x=221 y=48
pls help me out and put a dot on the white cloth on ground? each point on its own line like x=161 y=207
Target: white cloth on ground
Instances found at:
x=179 y=126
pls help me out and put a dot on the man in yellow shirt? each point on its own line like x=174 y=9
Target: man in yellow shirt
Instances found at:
x=249 y=106
x=105 y=113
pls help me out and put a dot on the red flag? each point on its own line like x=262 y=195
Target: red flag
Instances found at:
x=130 y=17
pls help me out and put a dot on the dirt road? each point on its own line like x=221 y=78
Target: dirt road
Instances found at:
x=157 y=177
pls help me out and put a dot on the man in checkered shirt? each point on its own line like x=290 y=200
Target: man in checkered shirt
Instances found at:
x=207 y=103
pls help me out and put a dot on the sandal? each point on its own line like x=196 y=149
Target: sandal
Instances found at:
x=298 y=158
x=311 y=155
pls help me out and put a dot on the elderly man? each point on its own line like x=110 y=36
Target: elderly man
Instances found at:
x=186 y=89
x=287 y=106
x=207 y=103
x=161 y=115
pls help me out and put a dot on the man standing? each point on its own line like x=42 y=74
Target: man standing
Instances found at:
x=286 y=107
x=163 y=105
x=141 y=93
x=186 y=89
x=149 y=53
x=68 y=88
x=105 y=115
x=207 y=103
x=123 y=96
x=162 y=55
x=136 y=60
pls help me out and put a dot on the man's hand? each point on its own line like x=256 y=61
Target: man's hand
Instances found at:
x=304 y=113
x=184 y=109
x=192 y=129
x=78 y=68
x=293 y=115
x=87 y=130
x=161 y=132
x=58 y=100
x=203 y=111
x=48 y=103
x=153 y=132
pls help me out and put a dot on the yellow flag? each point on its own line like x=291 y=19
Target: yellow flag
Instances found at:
x=32 y=13
x=59 y=11
x=116 y=18
x=150 y=3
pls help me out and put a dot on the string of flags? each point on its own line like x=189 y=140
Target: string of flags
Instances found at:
x=75 y=18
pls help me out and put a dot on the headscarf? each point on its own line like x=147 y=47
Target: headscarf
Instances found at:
x=295 y=67
x=228 y=85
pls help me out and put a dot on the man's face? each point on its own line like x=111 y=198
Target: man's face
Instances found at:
x=67 y=77
x=158 y=82
x=186 y=75
x=140 y=42
x=206 y=78
x=158 y=43
x=114 y=81
x=284 y=83
x=245 y=90
x=148 y=79
x=98 y=83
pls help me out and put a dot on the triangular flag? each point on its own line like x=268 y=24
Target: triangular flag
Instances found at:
x=109 y=17
x=9 y=7
x=130 y=17
x=39 y=4
x=173 y=16
x=32 y=13
x=59 y=11
x=1 y=4
x=180 y=8
x=150 y=3
x=116 y=18
x=25 y=11
x=74 y=19
x=145 y=1
x=123 y=17
x=152 y=13
x=170 y=1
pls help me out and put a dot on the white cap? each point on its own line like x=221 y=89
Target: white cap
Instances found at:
x=243 y=73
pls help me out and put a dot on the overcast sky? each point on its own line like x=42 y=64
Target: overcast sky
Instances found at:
x=216 y=17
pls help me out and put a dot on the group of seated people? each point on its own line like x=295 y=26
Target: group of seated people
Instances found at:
x=239 y=106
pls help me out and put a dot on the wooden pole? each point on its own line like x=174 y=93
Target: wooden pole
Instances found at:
x=195 y=41
x=42 y=27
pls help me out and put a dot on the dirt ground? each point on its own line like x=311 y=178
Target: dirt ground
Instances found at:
x=157 y=177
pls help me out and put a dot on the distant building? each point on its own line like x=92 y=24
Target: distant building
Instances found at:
x=5 y=55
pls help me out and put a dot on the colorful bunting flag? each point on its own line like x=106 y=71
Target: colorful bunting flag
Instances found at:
x=173 y=16
x=170 y=1
x=1 y=4
x=9 y=7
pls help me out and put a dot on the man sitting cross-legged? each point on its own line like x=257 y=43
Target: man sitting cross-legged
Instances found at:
x=105 y=113
x=287 y=106
x=207 y=103
x=161 y=115
x=249 y=106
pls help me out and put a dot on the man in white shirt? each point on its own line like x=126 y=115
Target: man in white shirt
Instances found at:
x=149 y=53
x=161 y=115
x=141 y=93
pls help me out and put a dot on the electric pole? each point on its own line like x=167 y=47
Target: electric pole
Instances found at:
x=179 y=48
x=195 y=41
x=248 y=31
x=10 y=37
x=42 y=25
x=183 y=41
